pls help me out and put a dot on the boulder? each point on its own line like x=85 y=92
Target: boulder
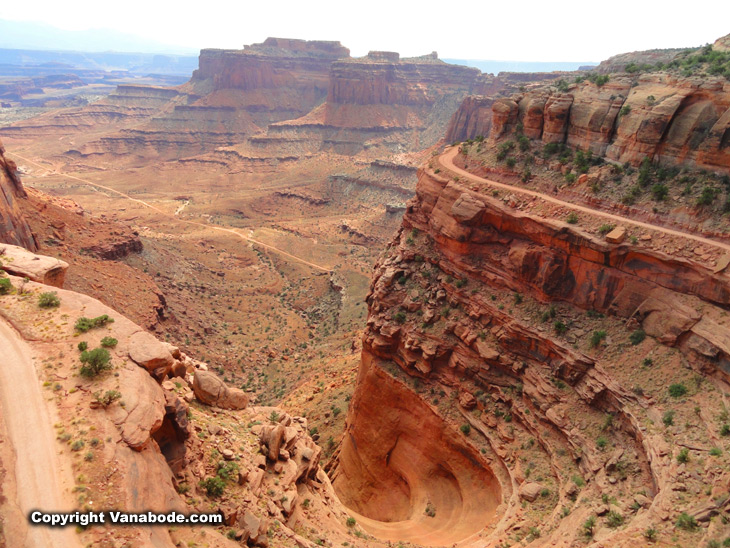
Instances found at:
x=616 y=236
x=147 y=351
x=272 y=437
x=529 y=491
x=20 y=262
x=211 y=390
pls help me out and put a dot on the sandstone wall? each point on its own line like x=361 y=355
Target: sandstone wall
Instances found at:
x=676 y=121
x=14 y=228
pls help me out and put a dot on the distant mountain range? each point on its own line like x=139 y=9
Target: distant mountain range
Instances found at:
x=33 y=35
x=495 y=67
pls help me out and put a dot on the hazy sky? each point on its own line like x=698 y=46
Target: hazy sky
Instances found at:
x=522 y=30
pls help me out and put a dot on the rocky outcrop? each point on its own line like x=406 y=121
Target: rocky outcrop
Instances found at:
x=18 y=261
x=14 y=228
x=453 y=361
x=211 y=390
x=669 y=119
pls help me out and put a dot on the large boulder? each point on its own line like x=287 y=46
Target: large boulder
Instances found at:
x=20 y=262
x=530 y=490
x=211 y=390
x=153 y=355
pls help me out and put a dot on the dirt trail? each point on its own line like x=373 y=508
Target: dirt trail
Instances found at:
x=447 y=161
x=173 y=216
x=41 y=479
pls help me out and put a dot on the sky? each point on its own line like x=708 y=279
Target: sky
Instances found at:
x=517 y=30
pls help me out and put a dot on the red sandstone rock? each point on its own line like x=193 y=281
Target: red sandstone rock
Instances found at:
x=211 y=390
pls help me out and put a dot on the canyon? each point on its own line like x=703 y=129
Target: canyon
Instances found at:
x=539 y=356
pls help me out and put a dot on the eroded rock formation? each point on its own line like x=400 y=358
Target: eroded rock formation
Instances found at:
x=455 y=366
x=669 y=119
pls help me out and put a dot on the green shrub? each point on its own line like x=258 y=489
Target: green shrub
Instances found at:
x=78 y=445
x=94 y=362
x=677 y=390
x=683 y=456
x=597 y=337
x=350 y=522
x=725 y=430
x=625 y=110
x=5 y=286
x=400 y=317
x=601 y=442
x=109 y=342
x=637 y=336
x=465 y=429
x=715 y=452
x=227 y=470
x=560 y=327
x=214 y=486
x=85 y=324
x=686 y=522
x=571 y=177
x=650 y=534
x=707 y=197
x=49 y=300
x=660 y=191
x=668 y=418
x=511 y=162
x=572 y=218
x=614 y=519
x=605 y=229
x=588 y=526
x=83 y=345
x=108 y=397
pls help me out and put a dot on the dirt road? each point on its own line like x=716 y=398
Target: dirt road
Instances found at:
x=174 y=217
x=447 y=161
x=41 y=480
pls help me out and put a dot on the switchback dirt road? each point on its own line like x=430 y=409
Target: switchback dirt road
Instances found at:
x=447 y=161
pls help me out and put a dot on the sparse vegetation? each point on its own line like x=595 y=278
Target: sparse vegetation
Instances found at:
x=637 y=336
x=5 y=286
x=597 y=337
x=86 y=324
x=588 y=526
x=683 y=456
x=677 y=390
x=430 y=510
x=614 y=519
x=108 y=397
x=95 y=362
x=109 y=342
x=465 y=429
x=572 y=218
x=49 y=300
x=686 y=522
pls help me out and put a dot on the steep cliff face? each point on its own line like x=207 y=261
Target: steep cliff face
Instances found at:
x=673 y=120
x=14 y=229
x=478 y=337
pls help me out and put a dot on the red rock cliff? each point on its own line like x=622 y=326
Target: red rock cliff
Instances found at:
x=461 y=346
x=13 y=227
x=673 y=120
